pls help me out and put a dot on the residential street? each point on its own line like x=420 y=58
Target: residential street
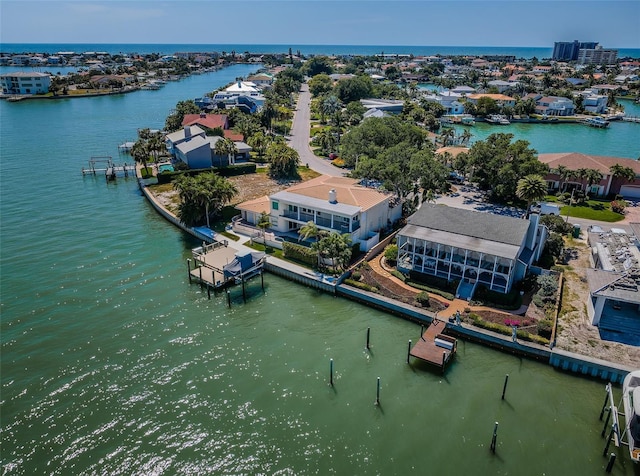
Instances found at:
x=299 y=137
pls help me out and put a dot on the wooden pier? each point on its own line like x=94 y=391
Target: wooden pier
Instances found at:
x=434 y=347
x=111 y=171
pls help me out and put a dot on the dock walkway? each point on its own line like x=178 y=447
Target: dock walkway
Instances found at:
x=434 y=347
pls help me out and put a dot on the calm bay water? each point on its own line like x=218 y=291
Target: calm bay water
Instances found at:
x=169 y=49
x=113 y=364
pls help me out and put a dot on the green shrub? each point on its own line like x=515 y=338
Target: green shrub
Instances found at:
x=359 y=285
x=300 y=253
x=545 y=328
x=486 y=297
x=423 y=298
x=237 y=169
x=399 y=275
x=356 y=276
x=391 y=253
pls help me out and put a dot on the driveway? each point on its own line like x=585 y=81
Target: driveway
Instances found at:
x=299 y=137
x=472 y=199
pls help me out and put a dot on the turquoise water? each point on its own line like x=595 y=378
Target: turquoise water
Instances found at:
x=620 y=139
x=113 y=364
x=519 y=52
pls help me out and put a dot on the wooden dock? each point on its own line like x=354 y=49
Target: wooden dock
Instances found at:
x=434 y=347
x=110 y=169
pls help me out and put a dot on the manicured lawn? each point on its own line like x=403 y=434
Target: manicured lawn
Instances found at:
x=589 y=213
x=591 y=210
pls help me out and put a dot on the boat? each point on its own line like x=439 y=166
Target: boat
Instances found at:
x=596 y=122
x=498 y=119
x=631 y=402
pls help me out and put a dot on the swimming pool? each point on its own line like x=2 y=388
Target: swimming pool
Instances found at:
x=165 y=168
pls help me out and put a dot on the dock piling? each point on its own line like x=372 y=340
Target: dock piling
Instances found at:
x=494 y=438
x=606 y=446
x=612 y=460
x=189 y=270
x=368 y=336
x=208 y=292
x=409 y=352
x=604 y=404
x=421 y=332
x=229 y=298
x=504 y=388
x=378 y=393
x=331 y=372
x=606 y=423
x=200 y=268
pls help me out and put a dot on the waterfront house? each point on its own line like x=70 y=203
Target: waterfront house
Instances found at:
x=501 y=99
x=337 y=204
x=609 y=185
x=614 y=282
x=594 y=103
x=21 y=82
x=185 y=134
x=474 y=248
x=212 y=121
x=554 y=106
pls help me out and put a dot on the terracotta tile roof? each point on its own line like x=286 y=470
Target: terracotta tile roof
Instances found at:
x=347 y=191
x=234 y=136
x=210 y=120
x=576 y=160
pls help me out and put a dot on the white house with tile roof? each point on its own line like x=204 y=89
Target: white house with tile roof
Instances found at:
x=337 y=204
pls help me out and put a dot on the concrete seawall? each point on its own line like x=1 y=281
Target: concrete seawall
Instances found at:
x=559 y=359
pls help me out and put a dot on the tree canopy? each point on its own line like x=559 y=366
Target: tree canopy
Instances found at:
x=497 y=164
x=174 y=120
x=202 y=196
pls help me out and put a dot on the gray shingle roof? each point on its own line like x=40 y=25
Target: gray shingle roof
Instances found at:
x=482 y=225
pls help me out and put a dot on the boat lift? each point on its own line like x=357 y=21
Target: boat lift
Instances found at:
x=612 y=414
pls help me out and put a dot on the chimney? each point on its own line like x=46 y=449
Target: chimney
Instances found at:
x=203 y=115
x=187 y=132
x=333 y=196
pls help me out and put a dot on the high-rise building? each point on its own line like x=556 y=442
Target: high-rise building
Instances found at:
x=597 y=55
x=569 y=50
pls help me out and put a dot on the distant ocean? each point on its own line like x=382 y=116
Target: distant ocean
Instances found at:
x=518 y=52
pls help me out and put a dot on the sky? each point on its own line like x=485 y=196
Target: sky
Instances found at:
x=614 y=24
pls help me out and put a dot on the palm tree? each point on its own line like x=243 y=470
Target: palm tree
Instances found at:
x=563 y=174
x=140 y=152
x=447 y=136
x=620 y=171
x=465 y=137
x=259 y=142
x=156 y=144
x=310 y=230
x=531 y=189
x=593 y=176
x=330 y=106
x=326 y=140
x=226 y=147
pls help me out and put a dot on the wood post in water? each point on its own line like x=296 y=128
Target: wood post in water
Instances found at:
x=331 y=372
x=604 y=404
x=378 y=393
x=606 y=423
x=606 y=447
x=189 y=270
x=200 y=269
x=208 y=292
x=244 y=295
x=504 y=388
x=494 y=438
x=612 y=460
x=229 y=298
x=262 y=280
x=368 y=336
x=409 y=352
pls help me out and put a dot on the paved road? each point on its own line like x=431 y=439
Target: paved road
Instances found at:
x=299 y=137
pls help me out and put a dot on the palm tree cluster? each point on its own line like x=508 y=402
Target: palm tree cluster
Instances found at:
x=202 y=196
x=148 y=146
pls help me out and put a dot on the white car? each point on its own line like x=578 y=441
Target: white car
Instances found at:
x=546 y=209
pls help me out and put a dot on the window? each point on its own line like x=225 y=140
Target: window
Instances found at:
x=293 y=208
x=274 y=205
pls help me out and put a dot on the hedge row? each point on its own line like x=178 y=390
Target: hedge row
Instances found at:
x=361 y=285
x=500 y=329
x=300 y=253
x=229 y=171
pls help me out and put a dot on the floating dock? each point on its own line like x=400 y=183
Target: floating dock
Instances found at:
x=434 y=347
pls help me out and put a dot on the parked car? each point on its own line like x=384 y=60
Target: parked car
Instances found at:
x=546 y=209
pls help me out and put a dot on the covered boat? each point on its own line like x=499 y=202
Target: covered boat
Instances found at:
x=631 y=402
